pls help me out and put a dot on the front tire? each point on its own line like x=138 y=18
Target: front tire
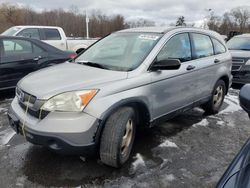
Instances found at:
x=214 y=104
x=118 y=137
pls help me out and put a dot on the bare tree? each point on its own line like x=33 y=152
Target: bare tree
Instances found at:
x=241 y=17
x=214 y=22
x=71 y=21
x=181 y=21
x=140 y=23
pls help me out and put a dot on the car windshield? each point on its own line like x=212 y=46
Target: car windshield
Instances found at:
x=120 y=51
x=239 y=43
x=11 y=31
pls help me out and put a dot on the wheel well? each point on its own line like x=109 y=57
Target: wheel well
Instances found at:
x=226 y=80
x=141 y=110
x=142 y=113
x=142 y=116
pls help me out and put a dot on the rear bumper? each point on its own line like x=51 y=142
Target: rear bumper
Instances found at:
x=67 y=133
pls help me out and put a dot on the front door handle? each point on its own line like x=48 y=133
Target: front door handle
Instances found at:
x=37 y=58
x=190 y=67
x=216 y=61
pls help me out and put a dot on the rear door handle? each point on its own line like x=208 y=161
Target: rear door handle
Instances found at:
x=190 y=67
x=216 y=61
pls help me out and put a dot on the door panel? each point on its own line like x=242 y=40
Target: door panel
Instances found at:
x=203 y=54
x=18 y=60
x=174 y=89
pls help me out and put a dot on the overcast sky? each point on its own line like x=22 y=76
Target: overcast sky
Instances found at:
x=160 y=11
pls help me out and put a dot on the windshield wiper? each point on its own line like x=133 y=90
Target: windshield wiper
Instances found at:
x=92 y=64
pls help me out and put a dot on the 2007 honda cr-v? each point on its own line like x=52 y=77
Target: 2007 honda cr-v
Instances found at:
x=131 y=78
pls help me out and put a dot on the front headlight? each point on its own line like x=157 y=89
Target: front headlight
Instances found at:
x=74 y=101
x=248 y=62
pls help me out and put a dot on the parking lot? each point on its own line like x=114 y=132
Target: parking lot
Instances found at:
x=192 y=150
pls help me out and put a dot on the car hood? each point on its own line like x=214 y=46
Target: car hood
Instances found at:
x=240 y=53
x=65 y=77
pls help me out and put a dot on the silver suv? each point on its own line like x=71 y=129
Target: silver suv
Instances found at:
x=131 y=78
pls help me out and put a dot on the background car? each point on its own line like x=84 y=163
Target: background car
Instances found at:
x=20 y=56
x=54 y=36
x=238 y=173
x=239 y=47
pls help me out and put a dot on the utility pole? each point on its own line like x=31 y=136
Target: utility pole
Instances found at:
x=207 y=17
x=87 y=25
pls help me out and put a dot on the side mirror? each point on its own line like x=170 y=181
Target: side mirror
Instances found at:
x=245 y=98
x=167 y=64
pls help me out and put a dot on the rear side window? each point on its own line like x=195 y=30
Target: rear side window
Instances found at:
x=30 y=33
x=178 y=47
x=218 y=47
x=16 y=47
x=202 y=45
x=51 y=34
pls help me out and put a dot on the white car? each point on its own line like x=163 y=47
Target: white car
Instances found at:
x=54 y=36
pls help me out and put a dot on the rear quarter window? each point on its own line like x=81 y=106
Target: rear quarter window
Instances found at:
x=218 y=47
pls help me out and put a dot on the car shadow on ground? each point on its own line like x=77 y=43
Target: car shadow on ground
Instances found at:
x=237 y=86
x=44 y=167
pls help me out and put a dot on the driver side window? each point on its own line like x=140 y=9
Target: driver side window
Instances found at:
x=178 y=47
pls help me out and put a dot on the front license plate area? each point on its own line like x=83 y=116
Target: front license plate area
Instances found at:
x=14 y=123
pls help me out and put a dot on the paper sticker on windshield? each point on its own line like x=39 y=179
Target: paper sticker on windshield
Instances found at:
x=148 y=37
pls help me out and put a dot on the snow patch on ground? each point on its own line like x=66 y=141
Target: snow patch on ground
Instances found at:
x=166 y=179
x=168 y=143
x=138 y=162
x=202 y=123
x=6 y=135
x=169 y=177
x=233 y=104
x=2 y=110
x=220 y=122
x=20 y=181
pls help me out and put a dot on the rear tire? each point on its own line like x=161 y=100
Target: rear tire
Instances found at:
x=118 y=137
x=214 y=104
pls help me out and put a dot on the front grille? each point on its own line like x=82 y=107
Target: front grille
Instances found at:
x=34 y=113
x=24 y=96
x=238 y=60
x=236 y=67
x=25 y=99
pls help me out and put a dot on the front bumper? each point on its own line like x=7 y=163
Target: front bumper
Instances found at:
x=66 y=133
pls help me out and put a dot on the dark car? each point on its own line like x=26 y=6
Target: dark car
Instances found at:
x=20 y=56
x=238 y=173
x=239 y=47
